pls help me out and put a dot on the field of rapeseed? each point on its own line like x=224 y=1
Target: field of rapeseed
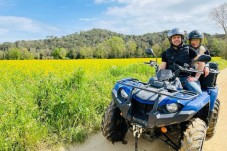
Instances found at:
x=59 y=101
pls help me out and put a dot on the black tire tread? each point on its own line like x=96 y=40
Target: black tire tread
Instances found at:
x=213 y=121
x=113 y=125
x=194 y=135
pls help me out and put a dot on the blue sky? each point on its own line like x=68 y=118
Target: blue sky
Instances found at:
x=37 y=19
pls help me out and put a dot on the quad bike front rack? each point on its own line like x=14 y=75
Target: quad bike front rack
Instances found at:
x=178 y=94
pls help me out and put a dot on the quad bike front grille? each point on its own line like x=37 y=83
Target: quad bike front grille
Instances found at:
x=140 y=110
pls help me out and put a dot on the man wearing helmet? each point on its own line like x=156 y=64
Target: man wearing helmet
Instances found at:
x=195 y=38
x=181 y=54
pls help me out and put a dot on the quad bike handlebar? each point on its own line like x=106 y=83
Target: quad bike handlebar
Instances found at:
x=179 y=68
x=153 y=64
x=187 y=69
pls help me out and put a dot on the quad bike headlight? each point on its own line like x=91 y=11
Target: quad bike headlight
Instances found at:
x=172 y=107
x=124 y=95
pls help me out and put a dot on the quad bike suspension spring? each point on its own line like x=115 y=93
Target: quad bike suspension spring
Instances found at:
x=137 y=131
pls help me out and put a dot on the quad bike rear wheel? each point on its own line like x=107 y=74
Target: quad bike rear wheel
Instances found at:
x=213 y=120
x=113 y=125
x=194 y=135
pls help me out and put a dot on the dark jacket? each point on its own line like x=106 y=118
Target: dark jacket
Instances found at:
x=184 y=54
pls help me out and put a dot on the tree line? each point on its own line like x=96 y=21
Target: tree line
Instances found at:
x=100 y=43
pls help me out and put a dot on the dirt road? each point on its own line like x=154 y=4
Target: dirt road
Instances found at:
x=216 y=143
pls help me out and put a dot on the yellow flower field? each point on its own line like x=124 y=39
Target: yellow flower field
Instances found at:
x=57 y=100
x=28 y=67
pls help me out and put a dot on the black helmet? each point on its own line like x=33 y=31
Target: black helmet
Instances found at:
x=176 y=31
x=195 y=34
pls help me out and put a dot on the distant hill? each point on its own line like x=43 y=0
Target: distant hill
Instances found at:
x=91 y=40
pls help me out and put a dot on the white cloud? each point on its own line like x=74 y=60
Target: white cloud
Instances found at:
x=18 y=23
x=21 y=26
x=142 y=16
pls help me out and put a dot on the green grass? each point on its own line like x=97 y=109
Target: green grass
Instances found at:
x=221 y=62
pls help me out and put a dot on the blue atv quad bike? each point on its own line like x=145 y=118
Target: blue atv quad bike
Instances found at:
x=161 y=109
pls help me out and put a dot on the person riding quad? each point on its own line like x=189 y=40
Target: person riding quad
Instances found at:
x=181 y=54
x=195 y=39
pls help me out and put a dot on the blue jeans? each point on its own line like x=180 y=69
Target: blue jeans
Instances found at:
x=191 y=86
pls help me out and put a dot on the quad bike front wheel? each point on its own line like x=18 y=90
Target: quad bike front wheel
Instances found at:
x=113 y=125
x=194 y=135
x=213 y=120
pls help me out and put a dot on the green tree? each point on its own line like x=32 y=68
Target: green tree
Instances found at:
x=215 y=47
x=223 y=48
x=25 y=54
x=101 y=51
x=139 y=53
x=205 y=41
x=14 y=54
x=72 y=54
x=116 y=47
x=165 y=44
x=59 y=53
x=6 y=46
x=36 y=55
x=86 y=52
x=157 y=50
x=131 y=47
x=2 y=55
